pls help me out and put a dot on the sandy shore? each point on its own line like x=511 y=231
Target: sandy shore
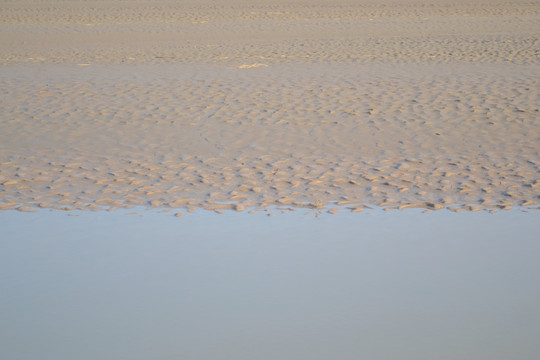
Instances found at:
x=246 y=105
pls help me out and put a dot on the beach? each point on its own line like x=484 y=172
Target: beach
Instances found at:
x=305 y=179
x=249 y=105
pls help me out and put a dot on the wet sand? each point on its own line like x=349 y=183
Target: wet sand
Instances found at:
x=247 y=105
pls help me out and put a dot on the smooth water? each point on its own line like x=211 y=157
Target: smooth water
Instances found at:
x=375 y=285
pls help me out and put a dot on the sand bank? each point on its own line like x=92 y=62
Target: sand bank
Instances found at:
x=245 y=106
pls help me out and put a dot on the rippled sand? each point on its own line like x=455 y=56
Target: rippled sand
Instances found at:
x=247 y=105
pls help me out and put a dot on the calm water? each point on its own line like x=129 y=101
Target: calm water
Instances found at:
x=397 y=285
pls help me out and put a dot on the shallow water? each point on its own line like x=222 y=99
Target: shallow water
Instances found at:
x=402 y=284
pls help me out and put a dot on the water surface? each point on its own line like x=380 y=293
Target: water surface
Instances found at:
x=108 y=285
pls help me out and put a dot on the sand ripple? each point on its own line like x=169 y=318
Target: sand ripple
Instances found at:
x=462 y=137
x=247 y=32
x=245 y=105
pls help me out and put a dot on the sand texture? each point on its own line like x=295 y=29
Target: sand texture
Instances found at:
x=248 y=105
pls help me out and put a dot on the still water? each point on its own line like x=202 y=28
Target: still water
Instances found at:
x=375 y=285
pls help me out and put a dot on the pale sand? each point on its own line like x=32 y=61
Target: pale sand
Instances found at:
x=246 y=105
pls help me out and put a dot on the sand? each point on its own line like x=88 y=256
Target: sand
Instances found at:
x=248 y=105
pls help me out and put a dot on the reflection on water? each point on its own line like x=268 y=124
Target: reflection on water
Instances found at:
x=398 y=285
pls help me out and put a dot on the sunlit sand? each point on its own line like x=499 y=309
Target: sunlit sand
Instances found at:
x=246 y=105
